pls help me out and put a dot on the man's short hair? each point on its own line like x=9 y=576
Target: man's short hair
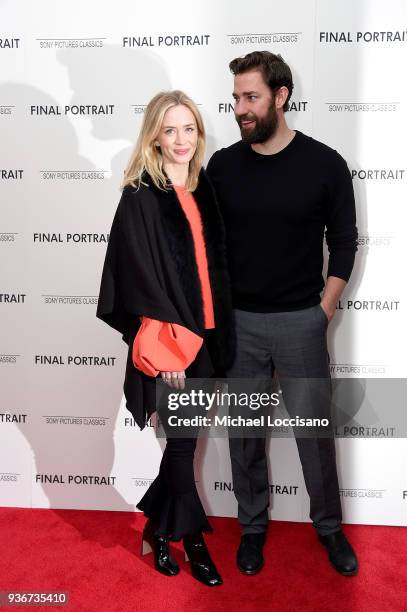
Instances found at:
x=276 y=73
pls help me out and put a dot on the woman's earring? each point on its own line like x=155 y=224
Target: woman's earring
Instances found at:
x=156 y=144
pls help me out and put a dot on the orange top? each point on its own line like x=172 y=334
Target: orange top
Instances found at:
x=192 y=213
x=161 y=346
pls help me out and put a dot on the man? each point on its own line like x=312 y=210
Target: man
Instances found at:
x=279 y=190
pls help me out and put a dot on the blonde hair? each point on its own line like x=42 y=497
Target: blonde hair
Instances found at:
x=146 y=157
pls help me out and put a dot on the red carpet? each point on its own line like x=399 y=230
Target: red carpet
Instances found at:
x=94 y=556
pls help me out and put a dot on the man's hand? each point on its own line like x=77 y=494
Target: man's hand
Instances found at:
x=174 y=379
x=333 y=291
x=328 y=310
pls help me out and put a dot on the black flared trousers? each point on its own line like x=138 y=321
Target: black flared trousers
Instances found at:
x=172 y=502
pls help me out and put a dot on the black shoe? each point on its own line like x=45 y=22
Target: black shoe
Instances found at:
x=250 y=553
x=160 y=547
x=341 y=554
x=202 y=566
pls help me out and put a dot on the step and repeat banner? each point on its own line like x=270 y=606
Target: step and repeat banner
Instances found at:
x=75 y=80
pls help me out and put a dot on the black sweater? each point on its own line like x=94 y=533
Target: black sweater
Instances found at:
x=276 y=209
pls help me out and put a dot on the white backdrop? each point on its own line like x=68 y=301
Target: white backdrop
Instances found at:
x=75 y=78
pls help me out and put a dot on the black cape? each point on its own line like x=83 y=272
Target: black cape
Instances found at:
x=150 y=270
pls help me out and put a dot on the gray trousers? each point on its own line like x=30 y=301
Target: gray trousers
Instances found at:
x=295 y=344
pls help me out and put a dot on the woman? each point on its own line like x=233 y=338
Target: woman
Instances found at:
x=165 y=287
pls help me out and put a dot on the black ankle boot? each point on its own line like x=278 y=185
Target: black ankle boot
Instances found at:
x=160 y=547
x=202 y=566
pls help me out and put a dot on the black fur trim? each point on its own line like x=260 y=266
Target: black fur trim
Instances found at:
x=181 y=246
x=215 y=242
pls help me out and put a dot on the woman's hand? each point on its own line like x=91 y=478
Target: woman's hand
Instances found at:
x=174 y=379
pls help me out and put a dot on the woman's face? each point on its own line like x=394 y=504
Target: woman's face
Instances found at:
x=178 y=135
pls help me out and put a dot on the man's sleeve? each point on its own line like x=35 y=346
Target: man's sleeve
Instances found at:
x=341 y=231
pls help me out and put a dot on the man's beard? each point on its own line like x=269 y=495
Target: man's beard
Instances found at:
x=263 y=129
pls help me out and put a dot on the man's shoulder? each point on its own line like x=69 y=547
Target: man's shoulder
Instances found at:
x=319 y=148
x=229 y=153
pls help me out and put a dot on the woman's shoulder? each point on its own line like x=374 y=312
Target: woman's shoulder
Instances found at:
x=134 y=192
x=140 y=196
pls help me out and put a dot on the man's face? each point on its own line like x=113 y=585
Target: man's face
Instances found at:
x=255 y=110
